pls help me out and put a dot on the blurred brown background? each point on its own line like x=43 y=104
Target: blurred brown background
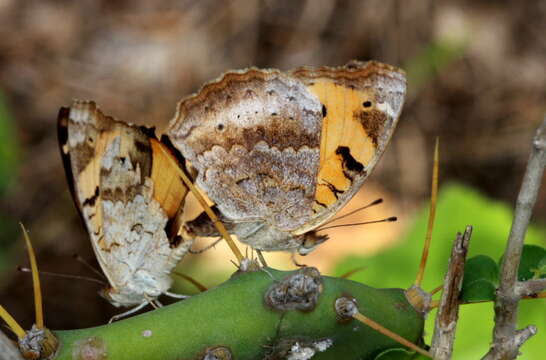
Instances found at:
x=476 y=73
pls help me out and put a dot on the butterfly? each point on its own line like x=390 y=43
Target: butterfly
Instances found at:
x=126 y=188
x=279 y=153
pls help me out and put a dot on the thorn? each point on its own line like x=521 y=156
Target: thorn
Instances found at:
x=437 y=289
x=13 y=325
x=431 y=216
x=196 y=283
x=352 y=272
x=382 y=330
x=38 y=307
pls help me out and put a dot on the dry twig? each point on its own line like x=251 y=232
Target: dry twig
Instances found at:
x=506 y=339
x=446 y=320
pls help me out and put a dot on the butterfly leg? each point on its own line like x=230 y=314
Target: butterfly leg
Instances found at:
x=261 y=257
x=129 y=312
x=268 y=273
x=191 y=251
x=202 y=225
x=176 y=296
x=295 y=262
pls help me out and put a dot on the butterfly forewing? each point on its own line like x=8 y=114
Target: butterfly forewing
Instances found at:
x=129 y=195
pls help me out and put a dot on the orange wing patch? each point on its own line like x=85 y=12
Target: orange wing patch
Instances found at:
x=169 y=190
x=348 y=139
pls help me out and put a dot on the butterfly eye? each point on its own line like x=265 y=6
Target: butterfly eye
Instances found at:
x=367 y=104
x=220 y=127
x=324 y=111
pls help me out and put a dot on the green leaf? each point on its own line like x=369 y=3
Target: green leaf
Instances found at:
x=479 y=290
x=533 y=263
x=481 y=267
x=540 y=271
x=481 y=278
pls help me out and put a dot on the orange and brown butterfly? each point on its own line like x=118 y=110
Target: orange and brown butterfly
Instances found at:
x=281 y=152
x=125 y=184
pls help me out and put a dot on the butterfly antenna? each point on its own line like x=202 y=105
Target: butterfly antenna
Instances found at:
x=389 y=219
x=431 y=216
x=82 y=261
x=217 y=223
x=38 y=307
x=375 y=202
x=66 y=276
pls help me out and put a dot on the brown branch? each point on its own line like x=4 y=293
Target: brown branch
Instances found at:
x=540 y=295
x=506 y=340
x=448 y=313
x=530 y=287
x=524 y=334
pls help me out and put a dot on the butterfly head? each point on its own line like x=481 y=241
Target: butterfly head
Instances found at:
x=110 y=294
x=119 y=298
x=310 y=241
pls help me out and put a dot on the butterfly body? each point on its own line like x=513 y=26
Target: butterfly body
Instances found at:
x=280 y=153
